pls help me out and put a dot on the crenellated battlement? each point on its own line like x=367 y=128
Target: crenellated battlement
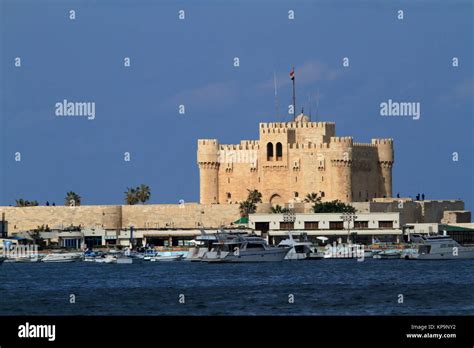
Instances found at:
x=249 y=142
x=275 y=130
x=208 y=142
x=341 y=140
x=364 y=145
x=292 y=125
x=237 y=147
x=308 y=145
x=387 y=141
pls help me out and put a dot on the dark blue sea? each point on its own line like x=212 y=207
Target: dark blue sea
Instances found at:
x=320 y=287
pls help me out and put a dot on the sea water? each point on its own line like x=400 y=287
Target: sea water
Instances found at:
x=316 y=287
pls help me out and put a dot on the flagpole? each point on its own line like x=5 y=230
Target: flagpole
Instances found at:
x=294 y=96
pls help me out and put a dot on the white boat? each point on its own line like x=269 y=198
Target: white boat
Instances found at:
x=106 y=259
x=243 y=248
x=388 y=254
x=440 y=248
x=195 y=254
x=368 y=254
x=62 y=257
x=162 y=258
x=123 y=260
x=299 y=249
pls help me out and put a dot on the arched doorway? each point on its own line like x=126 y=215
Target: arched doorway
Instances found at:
x=276 y=199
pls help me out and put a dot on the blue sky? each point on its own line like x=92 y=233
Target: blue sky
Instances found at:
x=190 y=62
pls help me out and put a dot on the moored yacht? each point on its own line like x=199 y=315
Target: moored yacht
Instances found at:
x=300 y=249
x=244 y=248
x=441 y=248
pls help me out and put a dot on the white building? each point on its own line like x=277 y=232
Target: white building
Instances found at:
x=366 y=227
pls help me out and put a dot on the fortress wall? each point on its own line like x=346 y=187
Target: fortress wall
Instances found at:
x=236 y=178
x=188 y=215
x=27 y=218
x=433 y=210
x=116 y=217
x=411 y=212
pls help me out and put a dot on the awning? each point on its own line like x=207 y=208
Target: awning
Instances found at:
x=242 y=221
x=450 y=228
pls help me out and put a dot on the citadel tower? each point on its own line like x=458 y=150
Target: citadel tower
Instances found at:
x=292 y=159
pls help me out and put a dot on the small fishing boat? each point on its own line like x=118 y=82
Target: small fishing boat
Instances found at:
x=62 y=257
x=162 y=258
x=389 y=254
x=106 y=259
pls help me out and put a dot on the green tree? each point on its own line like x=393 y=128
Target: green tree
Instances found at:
x=143 y=193
x=279 y=210
x=246 y=208
x=312 y=198
x=72 y=199
x=333 y=207
x=131 y=196
x=25 y=203
x=254 y=196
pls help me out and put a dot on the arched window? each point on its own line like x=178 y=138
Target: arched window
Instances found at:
x=279 y=151
x=269 y=152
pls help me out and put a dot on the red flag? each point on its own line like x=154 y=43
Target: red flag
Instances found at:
x=292 y=74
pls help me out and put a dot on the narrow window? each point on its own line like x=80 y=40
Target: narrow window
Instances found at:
x=269 y=152
x=279 y=151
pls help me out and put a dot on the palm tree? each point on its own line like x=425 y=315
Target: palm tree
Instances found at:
x=312 y=198
x=72 y=199
x=131 y=196
x=254 y=196
x=20 y=202
x=143 y=193
x=333 y=207
x=247 y=207
x=25 y=203
x=278 y=209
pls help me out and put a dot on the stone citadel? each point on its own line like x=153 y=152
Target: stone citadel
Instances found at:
x=292 y=159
